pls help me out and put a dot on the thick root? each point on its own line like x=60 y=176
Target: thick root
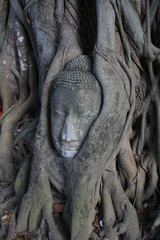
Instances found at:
x=156 y=223
x=139 y=182
x=122 y=220
x=6 y=193
x=22 y=179
x=3 y=18
x=37 y=205
x=127 y=166
x=6 y=138
x=3 y=230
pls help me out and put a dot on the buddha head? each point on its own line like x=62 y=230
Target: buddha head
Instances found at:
x=75 y=104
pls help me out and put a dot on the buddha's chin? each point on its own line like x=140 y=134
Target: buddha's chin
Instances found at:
x=68 y=153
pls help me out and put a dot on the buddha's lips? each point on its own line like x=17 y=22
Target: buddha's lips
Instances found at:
x=71 y=144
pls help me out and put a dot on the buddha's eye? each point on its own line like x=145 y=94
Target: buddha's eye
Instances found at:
x=58 y=114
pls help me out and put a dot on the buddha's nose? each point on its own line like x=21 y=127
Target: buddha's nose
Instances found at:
x=69 y=131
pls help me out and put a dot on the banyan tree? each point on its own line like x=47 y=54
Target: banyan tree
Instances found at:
x=80 y=119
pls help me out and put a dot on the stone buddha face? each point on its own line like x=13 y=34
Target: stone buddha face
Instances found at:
x=72 y=114
x=75 y=104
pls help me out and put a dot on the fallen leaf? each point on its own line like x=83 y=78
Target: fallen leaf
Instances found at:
x=6 y=218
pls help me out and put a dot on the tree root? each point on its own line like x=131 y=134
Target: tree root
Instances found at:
x=29 y=5
x=151 y=174
x=9 y=122
x=132 y=22
x=37 y=201
x=156 y=223
x=127 y=167
x=8 y=88
x=6 y=192
x=3 y=18
x=3 y=230
x=20 y=15
x=11 y=227
x=59 y=13
x=22 y=179
x=31 y=128
x=25 y=100
x=119 y=216
x=139 y=184
x=9 y=204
